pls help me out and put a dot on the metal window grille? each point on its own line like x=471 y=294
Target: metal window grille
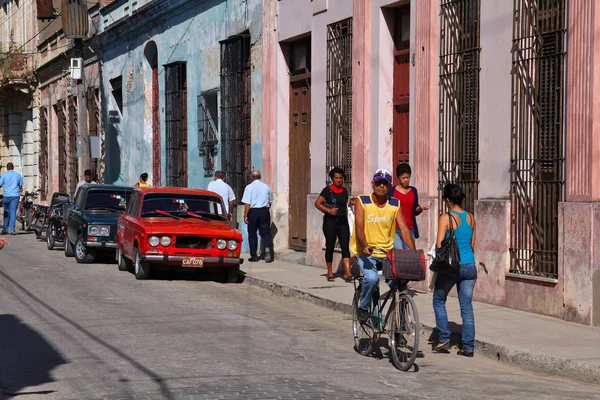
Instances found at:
x=59 y=109
x=93 y=109
x=339 y=99
x=208 y=129
x=43 y=153
x=537 y=149
x=73 y=164
x=459 y=98
x=235 y=112
x=176 y=124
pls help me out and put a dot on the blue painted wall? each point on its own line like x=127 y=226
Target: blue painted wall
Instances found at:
x=183 y=30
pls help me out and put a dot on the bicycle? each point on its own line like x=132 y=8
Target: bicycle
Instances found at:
x=402 y=316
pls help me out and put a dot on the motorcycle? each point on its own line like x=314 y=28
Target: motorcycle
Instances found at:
x=26 y=210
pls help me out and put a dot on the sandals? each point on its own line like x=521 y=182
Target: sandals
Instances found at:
x=330 y=278
x=443 y=348
x=349 y=279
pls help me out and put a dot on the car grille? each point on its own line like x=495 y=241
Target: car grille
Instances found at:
x=192 y=242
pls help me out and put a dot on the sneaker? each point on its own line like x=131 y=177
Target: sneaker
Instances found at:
x=253 y=259
x=363 y=315
x=465 y=353
x=268 y=255
x=13 y=233
x=443 y=348
x=4 y=231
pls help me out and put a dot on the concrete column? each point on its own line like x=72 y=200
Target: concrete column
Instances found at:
x=28 y=151
x=361 y=92
x=15 y=141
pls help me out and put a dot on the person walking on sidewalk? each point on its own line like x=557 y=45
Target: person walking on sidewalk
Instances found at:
x=219 y=186
x=409 y=204
x=333 y=203
x=464 y=231
x=12 y=182
x=257 y=201
x=375 y=225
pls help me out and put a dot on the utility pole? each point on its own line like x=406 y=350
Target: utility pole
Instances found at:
x=82 y=114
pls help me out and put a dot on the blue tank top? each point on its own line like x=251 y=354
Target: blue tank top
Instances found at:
x=464 y=235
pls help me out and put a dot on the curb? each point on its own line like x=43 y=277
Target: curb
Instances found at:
x=526 y=359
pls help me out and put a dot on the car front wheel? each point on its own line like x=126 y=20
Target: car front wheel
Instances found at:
x=141 y=268
x=68 y=247
x=82 y=254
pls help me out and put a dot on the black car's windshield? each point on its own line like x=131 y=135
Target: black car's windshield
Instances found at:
x=107 y=199
x=183 y=206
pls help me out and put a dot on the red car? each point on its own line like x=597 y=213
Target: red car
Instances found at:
x=177 y=227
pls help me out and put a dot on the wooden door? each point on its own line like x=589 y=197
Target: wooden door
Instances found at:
x=401 y=94
x=299 y=159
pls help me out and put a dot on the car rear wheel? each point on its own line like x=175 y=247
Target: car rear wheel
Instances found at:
x=233 y=274
x=82 y=254
x=141 y=268
x=68 y=248
x=49 y=239
x=123 y=262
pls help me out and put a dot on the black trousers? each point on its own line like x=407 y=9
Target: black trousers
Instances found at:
x=259 y=219
x=336 y=228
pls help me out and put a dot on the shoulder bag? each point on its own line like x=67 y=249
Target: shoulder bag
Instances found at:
x=447 y=257
x=333 y=204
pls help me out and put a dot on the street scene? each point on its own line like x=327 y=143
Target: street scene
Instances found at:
x=265 y=199
x=89 y=331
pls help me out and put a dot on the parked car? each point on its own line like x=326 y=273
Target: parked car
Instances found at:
x=178 y=228
x=91 y=221
x=55 y=221
x=41 y=213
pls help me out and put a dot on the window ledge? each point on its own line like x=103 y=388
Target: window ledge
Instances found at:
x=531 y=277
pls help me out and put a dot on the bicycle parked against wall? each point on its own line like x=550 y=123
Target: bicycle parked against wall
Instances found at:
x=400 y=324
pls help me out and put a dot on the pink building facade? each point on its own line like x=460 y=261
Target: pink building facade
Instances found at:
x=496 y=96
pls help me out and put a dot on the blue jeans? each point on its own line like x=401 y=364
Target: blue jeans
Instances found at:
x=10 y=212
x=368 y=266
x=465 y=283
x=399 y=243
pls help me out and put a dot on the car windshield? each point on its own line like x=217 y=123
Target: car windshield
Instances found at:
x=107 y=199
x=181 y=205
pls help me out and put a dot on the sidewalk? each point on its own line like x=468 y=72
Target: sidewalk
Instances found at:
x=532 y=341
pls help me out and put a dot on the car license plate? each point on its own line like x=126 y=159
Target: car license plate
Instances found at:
x=192 y=262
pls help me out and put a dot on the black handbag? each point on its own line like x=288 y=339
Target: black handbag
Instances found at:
x=333 y=204
x=447 y=257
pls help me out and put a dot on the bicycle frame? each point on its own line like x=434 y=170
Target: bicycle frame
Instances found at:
x=376 y=302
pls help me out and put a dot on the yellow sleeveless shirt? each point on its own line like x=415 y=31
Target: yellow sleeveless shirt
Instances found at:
x=379 y=225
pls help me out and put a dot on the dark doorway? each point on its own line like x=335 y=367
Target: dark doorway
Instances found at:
x=176 y=124
x=235 y=112
x=59 y=110
x=300 y=118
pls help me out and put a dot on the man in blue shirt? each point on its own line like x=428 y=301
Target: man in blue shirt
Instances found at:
x=12 y=183
x=257 y=201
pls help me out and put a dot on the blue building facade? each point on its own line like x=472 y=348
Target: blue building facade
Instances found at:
x=182 y=90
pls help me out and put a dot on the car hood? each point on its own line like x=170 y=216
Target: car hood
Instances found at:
x=189 y=227
x=102 y=217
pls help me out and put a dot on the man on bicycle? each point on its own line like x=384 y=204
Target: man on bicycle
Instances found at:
x=376 y=216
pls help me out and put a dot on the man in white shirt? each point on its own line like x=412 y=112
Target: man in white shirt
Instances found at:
x=257 y=201
x=87 y=180
x=219 y=186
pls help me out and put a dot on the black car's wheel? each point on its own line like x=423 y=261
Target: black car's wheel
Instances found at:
x=49 y=239
x=124 y=263
x=82 y=254
x=141 y=268
x=233 y=274
x=68 y=247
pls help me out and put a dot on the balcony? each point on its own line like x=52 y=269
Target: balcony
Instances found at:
x=17 y=72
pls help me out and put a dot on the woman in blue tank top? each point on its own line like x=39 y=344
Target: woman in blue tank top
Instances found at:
x=464 y=231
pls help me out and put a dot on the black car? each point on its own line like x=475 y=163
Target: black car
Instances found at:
x=91 y=221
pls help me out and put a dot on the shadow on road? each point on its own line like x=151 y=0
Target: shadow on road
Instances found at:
x=26 y=358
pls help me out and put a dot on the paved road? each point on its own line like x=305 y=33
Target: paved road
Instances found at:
x=71 y=331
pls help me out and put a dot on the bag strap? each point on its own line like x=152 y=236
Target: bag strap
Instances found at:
x=332 y=196
x=450 y=222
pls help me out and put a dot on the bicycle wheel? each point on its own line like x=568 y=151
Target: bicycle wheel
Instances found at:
x=363 y=332
x=404 y=332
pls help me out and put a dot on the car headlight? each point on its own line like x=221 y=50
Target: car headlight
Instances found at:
x=153 y=241
x=232 y=245
x=165 y=241
x=221 y=244
x=98 y=230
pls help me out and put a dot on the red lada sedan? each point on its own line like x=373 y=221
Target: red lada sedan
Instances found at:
x=177 y=227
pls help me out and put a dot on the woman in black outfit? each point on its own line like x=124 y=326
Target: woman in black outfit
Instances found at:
x=333 y=202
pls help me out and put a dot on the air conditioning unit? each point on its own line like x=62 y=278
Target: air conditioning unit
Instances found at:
x=76 y=68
